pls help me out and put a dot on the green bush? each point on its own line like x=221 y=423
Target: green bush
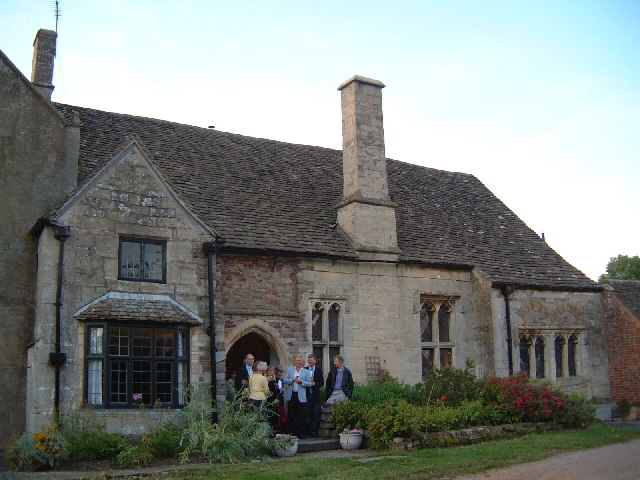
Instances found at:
x=390 y=419
x=94 y=443
x=240 y=435
x=139 y=455
x=380 y=391
x=577 y=411
x=46 y=448
x=349 y=415
x=447 y=386
x=165 y=441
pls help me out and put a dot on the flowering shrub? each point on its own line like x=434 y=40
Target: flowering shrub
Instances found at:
x=46 y=448
x=522 y=400
x=447 y=386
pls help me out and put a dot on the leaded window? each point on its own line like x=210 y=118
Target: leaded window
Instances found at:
x=561 y=357
x=142 y=260
x=436 y=334
x=327 y=319
x=132 y=365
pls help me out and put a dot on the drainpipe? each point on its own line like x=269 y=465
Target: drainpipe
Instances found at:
x=507 y=290
x=211 y=249
x=57 y=358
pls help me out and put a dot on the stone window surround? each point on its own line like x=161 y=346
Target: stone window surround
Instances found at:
x=325 y=344
x=548 y=336
x=438 y=301
x=104 y=356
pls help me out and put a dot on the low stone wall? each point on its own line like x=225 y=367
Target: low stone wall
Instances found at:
x=131 y=422
x=472 y=435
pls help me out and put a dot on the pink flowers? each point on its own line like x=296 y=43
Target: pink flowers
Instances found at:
x=443 y=398
x=136 y=397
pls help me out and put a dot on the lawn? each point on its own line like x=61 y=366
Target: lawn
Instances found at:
x=422 y=464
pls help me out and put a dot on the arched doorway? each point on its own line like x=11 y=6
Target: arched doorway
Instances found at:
x=250 y=343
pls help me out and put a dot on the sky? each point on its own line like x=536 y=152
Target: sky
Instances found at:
x=540 y=100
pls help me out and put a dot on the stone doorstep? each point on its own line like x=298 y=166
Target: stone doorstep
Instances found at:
x=318 y=444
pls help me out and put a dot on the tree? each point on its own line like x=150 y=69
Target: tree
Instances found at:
x=622 y=267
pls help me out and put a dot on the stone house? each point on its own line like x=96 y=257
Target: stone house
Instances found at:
x=126 y=238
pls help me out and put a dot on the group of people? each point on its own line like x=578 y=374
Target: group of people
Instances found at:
x=297 y=390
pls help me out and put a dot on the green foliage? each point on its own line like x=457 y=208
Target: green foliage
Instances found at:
x=622 y=267
x=90 y=441
x=165 y=441
x=391 y=419
x=46 y=448
x=380 y=391
x=577 y=411
x=139 y=455
x=349 y=415
x=447 y=386
x=240 y=435
x=624 y=407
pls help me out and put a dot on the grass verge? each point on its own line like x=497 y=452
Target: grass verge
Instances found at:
x=422 y=464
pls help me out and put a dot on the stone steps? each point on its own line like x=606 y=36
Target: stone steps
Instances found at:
x=318 y=444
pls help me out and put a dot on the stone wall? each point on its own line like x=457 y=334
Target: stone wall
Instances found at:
x=35 y=174
x=128 y=199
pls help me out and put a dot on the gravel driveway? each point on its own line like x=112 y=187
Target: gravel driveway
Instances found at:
x=613 y=462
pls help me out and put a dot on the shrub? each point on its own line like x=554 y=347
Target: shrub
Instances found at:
x=240 y=434
x=349 y=414
x=521 y=400
x=377 y=392
x=391 y=419
x=90 y=441
x=46 y=448
x=624 y=407
x=139 y=455
x=449 y=386
x=164 y=442
x=577 y=411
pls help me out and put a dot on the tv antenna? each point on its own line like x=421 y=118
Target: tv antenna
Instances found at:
x=56 y=11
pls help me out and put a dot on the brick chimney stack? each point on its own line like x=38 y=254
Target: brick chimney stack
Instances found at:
x=44 y=51
x=366 y=213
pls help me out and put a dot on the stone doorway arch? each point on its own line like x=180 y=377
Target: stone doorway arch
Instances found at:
x=258 y=338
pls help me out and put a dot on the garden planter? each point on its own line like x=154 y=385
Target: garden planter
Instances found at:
x=350 y=441
x=288 y=449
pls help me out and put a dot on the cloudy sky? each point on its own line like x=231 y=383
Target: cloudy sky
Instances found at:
x=538 y=99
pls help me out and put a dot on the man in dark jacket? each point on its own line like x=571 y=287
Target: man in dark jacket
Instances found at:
x=339 y=382
x=243 y=373
x=314 y=394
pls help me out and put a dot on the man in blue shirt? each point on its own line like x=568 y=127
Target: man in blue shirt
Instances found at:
x=339 y=382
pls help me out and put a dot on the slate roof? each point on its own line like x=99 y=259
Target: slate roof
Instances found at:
x=274 y=196
x=628 y=291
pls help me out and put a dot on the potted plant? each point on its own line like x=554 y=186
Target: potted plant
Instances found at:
x=284 y=445
x=351 y=439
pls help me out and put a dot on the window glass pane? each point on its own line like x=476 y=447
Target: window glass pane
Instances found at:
x=165 y=338
x=118 y=381
x=153 y=261
x=427 y=361
x=316 y=323
x=141 y=340
x=444 y=315
x=333 y=351
x=119 y=341
x=334 y=326
x=426 y=322
x=96 y=340
x=539 y=353
x=559 y=349
x=182 y=381
x=182 y=343
x=141 y=381
x=319 y=351
x=94 y=382
x=446 y=357
x=573 y=342
x=164 y=379
x=130 y=259
x=524 y=356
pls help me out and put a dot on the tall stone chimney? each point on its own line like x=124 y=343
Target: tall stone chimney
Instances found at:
x=44 y=51
x=366 y=213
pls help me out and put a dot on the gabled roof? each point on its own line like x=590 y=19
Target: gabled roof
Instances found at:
x=270 y=196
